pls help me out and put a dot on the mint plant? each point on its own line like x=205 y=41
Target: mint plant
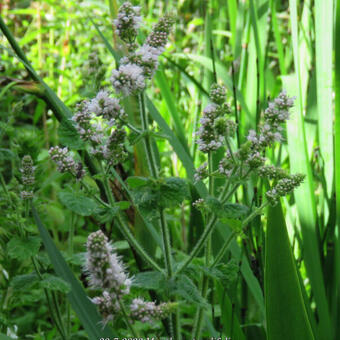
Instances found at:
x=172 y=285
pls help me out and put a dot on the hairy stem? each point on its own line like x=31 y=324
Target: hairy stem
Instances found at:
x=205 y=279
x=174 y=318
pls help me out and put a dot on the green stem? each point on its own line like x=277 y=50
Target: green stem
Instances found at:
x=166 y=243
x=126 y=319
x=205 y=279
x=256 y=212
x=206 y=232
x=147 y=141
x=125 y=229
x=174 y=318
x=51 y=305
x=222 y=251
x=230 y=149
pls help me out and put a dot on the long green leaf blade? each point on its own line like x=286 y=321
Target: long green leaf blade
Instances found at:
x=285 y=311
x=77 y=297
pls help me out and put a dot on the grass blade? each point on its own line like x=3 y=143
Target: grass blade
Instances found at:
x=285 y=310
x=324 y=65
x=304 y=195
x=77 y=297
x=337 y=162
x=162 y=82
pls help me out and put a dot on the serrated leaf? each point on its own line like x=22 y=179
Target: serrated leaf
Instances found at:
x=69 y=136
x=22 y=249
x=230 y=272
x=227 y=213
x=25 y=281
x=235 y=210
x=78 y=203
x=173 y=191
x=233 y=224
x=52 y=282
x=136 y=181
x=106 y=214
x=149 y=280
x=185 y=288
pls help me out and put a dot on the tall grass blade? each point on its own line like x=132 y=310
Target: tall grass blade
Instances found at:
x=77 y=297
x=162 y=82
x=285 y=310
x=304 y=195
x=336 y=298
x=324 y=65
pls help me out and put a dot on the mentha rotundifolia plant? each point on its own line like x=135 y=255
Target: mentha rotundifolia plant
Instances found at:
x=103 y=125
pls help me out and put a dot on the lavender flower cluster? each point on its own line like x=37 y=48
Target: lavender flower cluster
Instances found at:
x=215 y=127
x=107 y=272
x=65 y=162
x=100 y=121
x=148 y=311
x=250 y=155
x=276 y=114
x=215 y=131
x=141 y=63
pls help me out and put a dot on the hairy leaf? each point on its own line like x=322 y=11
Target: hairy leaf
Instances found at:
x=22 y=249
x=53 y=282
x=78 y=203
x=149 y=280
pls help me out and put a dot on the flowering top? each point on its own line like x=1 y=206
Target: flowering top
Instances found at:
x=276 y=114
x=106 y=271
x=214 y=125
x=160 y=32
x=107 y=107
x=128 y=79
x=128 y=22
x=145 y=57
x=141 y=63
x=65 y=162
x=87 y=130
x=283 y=187
x=148 y=311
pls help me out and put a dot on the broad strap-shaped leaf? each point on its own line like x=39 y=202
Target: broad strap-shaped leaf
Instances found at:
x=285 y=310
x=77 y=297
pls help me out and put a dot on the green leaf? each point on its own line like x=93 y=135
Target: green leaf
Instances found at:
x=106 y=214
x=285 y=309
x=230 y=272
x=69 y=136
x=185 y=288
x=52 y=282
x=234 y=210
x=25 y=281
x=136 y=181
x=78 y=203
x=228 y=212
x=149 y=280
x=22 y=249
x=173 y=191
x=86 y=311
